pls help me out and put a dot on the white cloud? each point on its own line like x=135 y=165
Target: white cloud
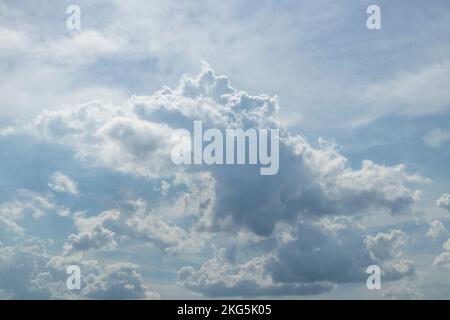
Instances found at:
x=93 y=233
x=61 y=183
x=436 y=230
x=443 y=259
x=135 y=139
x=313 y=183
x=117 y=281
x=29 y=203
x=416 y=93
x=386 y=246
x=444 y=201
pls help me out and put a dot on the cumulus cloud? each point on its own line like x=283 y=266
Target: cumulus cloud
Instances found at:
x=117 y=281
x=61 y=183
x=436 y=229
x=93 y=233
x=135 y=221
x=444 y=201
x=29 y=203
x=309 y=259
x=135 y=139
x=219 y=278
x=316 y=192
x=30 y=272
x=386 y=246
x=443 y=259
x=22 y=268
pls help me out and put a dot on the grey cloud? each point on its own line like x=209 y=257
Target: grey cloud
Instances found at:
x=117 y=281
x=218 y=278
x=309 y=259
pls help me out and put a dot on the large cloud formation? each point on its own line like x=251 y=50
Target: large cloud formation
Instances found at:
x=293 y=233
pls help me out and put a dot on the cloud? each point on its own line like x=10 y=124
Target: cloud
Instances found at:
x=218 y=278
x=6 y=131
x=30 y=272
x=60 y=183
x=316 y=181
x=437 y=229
x=436 y=137
x=117 y=281
x=135 y=221
x=417 y=93
x=84 y=47
x=403 y=290
x=444 y=201
x=22 y=268
x=29 y=203
x=93 y=233
x=386 y=246
x=443 y=259
x=12 y=42
x=316 y=192
x=306 y=260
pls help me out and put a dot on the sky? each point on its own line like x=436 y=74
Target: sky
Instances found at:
x=86 y=177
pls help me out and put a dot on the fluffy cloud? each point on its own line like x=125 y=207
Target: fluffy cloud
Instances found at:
x=110 y=136
x=304 y=213
x=61 y=183
x=443 y=259
x=437 y=229
x=29 y=203
x=23 y=270
x=386 y=246
x=135 y=221
x=219 y=278
x=117 y=281
x=134 y=139
x=29 y=272
x=444 y=201
x=93 y=233
x=305 y=260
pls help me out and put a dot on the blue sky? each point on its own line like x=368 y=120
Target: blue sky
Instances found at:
x=85 y=122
